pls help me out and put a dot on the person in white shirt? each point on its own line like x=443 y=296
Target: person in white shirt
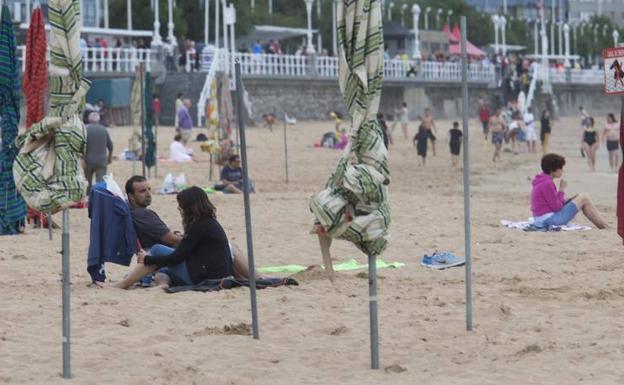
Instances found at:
x=529 y=130
x=177 y=151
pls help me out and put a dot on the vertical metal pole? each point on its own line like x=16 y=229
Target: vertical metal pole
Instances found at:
x=243 y=150
x=49 y=225
x=156 y=147
x=285 y=149
x=66 y=323
x=372 y=305
x=142 y=74
x=467 y=236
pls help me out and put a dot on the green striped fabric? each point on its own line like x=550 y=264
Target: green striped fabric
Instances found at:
x=47 y=170
x=358 y=188
x=12 y=206
x=150 y=144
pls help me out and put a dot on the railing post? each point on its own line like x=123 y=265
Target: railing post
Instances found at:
x=311 y=70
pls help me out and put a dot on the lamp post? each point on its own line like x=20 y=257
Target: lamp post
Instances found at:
x=438 y=13
x=106 y=18
x=552 y=27
x=448 y=18
x=334 y=41
x=390 y=6
x=503 y=22
x=616 y=37
x=207 y=18
x=310 y=46
x=605 y=28
x=156 y=40
x=415 y=15
x=427 y=10
x=560 y=29
x=596 y=33
x=253 y=6
x=170 y=35
x=535 y=38
x=566 y=33
x=403 y=8
x=128 y=14
x=495 y=20
x=270 y=7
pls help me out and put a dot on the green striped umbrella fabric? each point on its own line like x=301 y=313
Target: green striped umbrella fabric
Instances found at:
x=12 y=206
x=354 y=204
x=47 y=170
x=150 y=145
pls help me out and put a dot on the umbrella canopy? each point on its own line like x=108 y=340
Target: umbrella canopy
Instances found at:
x=471 y=49
x=47 y=170
x=12 y=206
x=354 y=204
x=150 y=145
x=36 y=74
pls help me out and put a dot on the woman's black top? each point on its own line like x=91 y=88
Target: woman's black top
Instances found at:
x=545 y=129
x=204 y=248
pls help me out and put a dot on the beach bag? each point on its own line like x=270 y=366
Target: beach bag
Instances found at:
x=173 y=185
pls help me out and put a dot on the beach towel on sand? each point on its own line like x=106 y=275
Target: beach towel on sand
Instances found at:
x=528 y=226
x=351 y=264
x=230 y=283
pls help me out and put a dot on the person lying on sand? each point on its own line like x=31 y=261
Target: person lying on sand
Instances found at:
x=154 y=235
x=549 y=206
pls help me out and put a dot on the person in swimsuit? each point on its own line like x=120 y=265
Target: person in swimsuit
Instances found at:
x=612 y=138
x=455 y=136
x=497 y=128
x=404 y=117
x=427 y=121
x=421 y=139
x=591 y=143
x=545 y=129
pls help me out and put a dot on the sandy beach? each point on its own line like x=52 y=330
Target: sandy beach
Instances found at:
x=547 y=306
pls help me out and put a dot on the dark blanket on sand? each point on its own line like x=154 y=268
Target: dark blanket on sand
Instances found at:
x=230 y=283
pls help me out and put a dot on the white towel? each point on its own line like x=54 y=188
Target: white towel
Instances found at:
x=525 y=225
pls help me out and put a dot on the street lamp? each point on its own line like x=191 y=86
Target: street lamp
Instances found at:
x=309 y=46
x=415 y=15
x=438 y=13
x=448 y=17
x=566 y=33
x=503 y=22
x=535 y=38
x=427 y=10
x=403 y=8
x=156 y=40
x=390 y=6
x=616 y=37
x=495 y=20
x=559 y=29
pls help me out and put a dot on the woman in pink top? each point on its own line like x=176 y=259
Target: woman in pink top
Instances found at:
x=548 y=204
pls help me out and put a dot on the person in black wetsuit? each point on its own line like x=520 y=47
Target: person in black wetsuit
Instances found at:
x=591 y=143
x=420 y=141
x=203 y=253
x=455 y=136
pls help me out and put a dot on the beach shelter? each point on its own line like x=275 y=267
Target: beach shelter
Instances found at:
x=354 y=203
x=149 y=158
x=36 y=72
x=12 y=206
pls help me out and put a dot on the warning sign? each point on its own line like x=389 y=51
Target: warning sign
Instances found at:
x=614 y=70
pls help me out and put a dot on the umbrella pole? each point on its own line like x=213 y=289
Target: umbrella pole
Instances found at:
x=243 y=152
x=49 y=215
x=142 y=80
x=156 y=150
x=285 y=149
x=467 y=234
x=372 y=304
x=66 y=303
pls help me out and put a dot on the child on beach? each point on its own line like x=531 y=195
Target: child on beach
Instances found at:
x=420 y=141
x=455 y=136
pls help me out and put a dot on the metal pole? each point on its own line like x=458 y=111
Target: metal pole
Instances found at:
x=49 y=225
x=217 y=15
x=156 y=148
x=206 y=20
x=334 y=41
x=142 y=74
x=466 y=130
x=372 y=306
x=285 y=149
x=66 y=323
x=129 y=14
x=243 y=151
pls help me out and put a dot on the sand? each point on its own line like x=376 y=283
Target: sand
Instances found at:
x=547 y=307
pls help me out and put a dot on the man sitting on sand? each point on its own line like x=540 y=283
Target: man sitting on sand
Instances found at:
x=549 y=206
x=151 y=230
x=231 y=180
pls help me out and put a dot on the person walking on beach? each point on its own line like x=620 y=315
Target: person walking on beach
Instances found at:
x=545 y=130
x=497 y=128
x=612 y=139
x=484 y=117
x=549 y=206
x=455 y=137
x=529 y=130
x=178 y=103
x=185 y=122
x=421 y=139
x=427 y=121
x=99 y=153
x=590 y=143
x=404 y=118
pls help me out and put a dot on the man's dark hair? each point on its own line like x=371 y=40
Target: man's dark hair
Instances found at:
x=232 y=158
x=552 y=163
x=455 y=124
x=130 y=183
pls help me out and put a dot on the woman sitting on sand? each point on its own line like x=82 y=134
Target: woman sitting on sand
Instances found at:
x=178 y=152
x=549 y=206
x=203 y=253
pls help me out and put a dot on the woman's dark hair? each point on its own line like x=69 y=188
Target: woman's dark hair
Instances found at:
x=545 y=112
x=552 y=163
x=194 y=204
x=611 y=117
x=590 y=121
x=177 y=137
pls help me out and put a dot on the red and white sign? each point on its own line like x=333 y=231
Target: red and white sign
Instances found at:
x=613 y=70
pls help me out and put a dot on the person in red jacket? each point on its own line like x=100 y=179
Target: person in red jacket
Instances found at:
x=484 y=117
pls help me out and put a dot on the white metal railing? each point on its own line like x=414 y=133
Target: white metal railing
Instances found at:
x=273 y=65
x=108 y=59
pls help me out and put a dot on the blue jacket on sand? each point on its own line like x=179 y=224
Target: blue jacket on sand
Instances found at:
x=112 y=235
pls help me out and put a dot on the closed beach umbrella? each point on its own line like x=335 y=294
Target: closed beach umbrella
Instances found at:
x=354 y=204
x=150 y=145
x=36 y=73
x=12 y=206
x=620 y=191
